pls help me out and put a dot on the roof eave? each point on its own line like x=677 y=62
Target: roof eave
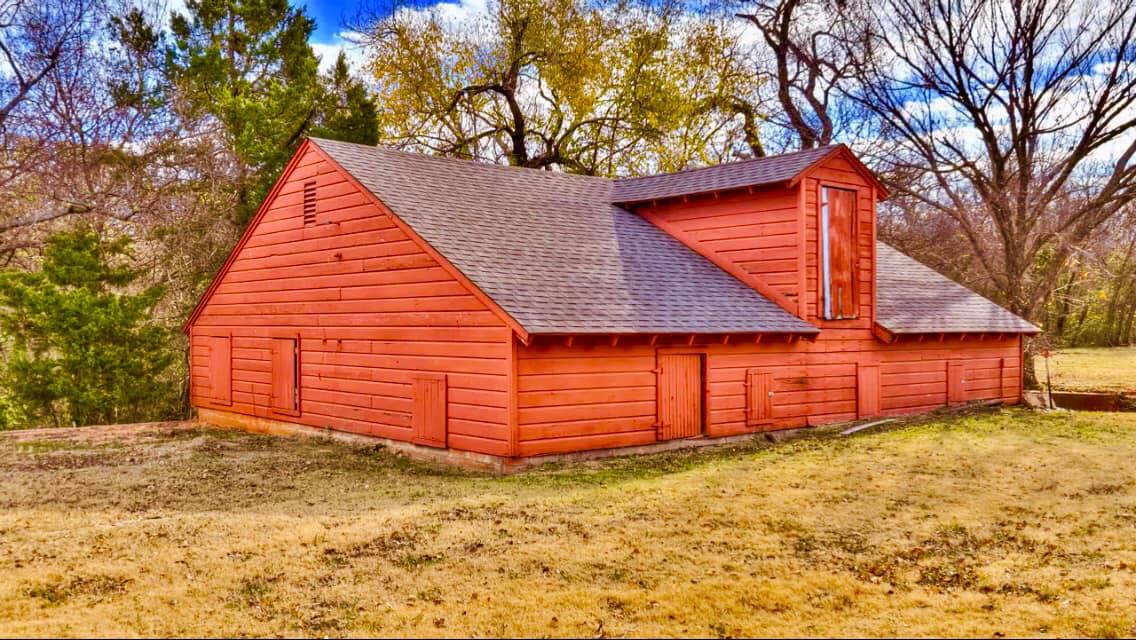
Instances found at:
x=1033 y=330
x=882 y=192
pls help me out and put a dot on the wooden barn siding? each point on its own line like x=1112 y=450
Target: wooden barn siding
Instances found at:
x=584 y=397
x=371 y=310
x=837 y=172
x=598 y=396
x=758 y=231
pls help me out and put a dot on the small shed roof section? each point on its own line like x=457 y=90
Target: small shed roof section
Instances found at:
x=554 y=252
x=733 y=175
x=914 y=298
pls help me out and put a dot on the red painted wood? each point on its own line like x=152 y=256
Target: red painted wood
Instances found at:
x=735 y=231
x=842 y=252
x=371 y=308
x=285 y=396
x=868 y=390
x=597 y=396
x=759 y=397
x=679 y=395
x=957 y=383
x=429 y=416
x=376 y=314
x=220 y=370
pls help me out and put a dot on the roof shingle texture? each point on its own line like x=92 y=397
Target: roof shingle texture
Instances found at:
x=733 y=175
x=554 y=253
x=914 y=298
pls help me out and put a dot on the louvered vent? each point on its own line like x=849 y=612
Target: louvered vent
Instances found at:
x=310 y=202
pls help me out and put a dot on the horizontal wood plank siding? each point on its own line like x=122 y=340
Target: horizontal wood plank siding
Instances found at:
x=371 y=310
x=758 y=232
x=595 y=396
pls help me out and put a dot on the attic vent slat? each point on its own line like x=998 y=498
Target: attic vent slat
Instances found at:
x=310 y=202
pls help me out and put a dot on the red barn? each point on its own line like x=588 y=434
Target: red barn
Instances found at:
x=492 y=314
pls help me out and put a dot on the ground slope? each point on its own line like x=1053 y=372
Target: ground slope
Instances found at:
x=1012 y=522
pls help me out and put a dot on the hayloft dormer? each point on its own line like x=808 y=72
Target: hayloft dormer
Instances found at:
x=799 y=228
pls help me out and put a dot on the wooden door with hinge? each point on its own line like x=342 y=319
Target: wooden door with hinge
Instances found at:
x=680 y=395
x=868 y=390
x=838 y=259
x=220 y=369
x=428 y=421
x=759 y=397
x=284 y=394
x=956 y=382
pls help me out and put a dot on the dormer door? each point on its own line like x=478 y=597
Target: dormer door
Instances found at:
x=838 y=253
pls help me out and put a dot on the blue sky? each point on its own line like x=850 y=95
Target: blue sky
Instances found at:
x=330 y=17
x=333 y=16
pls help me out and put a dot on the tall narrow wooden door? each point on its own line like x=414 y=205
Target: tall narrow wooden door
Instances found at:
x=838 y=253
x=285 y=391
x=868 y=390
x=429 y=417
x=679 y=395
x=956 y=382
x=220 y=369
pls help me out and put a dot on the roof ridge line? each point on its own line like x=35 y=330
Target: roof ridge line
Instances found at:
x=473 y=161
x=732 y=163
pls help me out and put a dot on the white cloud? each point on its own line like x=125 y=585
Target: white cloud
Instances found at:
x=328 y=52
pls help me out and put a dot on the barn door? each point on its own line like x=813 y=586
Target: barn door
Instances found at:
x=429 y=417
x=284 y=395
x=679 y=395
x=838 y=253
x=220 y=369
x=867 y=390
x=759 y=397
x=956 y=382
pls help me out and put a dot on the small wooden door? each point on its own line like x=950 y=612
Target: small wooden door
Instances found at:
x=759 y=397
x=220 y=369
x=956 y=382
x=868 y=390
x=284 y=396
x=679 y=395
x=429 y=417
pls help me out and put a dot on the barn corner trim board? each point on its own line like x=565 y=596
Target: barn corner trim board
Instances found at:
x=507 y=313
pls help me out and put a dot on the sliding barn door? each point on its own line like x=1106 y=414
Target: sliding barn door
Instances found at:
x=679 y=395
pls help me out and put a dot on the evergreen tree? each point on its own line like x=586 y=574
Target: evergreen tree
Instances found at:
x=247 y=64
x=349 y=112
x=81 y=346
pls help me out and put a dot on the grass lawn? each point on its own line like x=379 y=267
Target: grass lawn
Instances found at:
x=1008 y=522
x=1092 y=369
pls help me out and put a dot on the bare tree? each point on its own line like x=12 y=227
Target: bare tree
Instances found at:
x=812 y=48
x=34 y=37
x=1015 y=119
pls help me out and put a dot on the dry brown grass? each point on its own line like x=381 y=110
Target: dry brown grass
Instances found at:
x=1092 y=369
x=1012 y=522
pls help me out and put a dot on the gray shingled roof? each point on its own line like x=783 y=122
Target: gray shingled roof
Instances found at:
x=733 y=175
x=554 y=253
x=914 y=298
